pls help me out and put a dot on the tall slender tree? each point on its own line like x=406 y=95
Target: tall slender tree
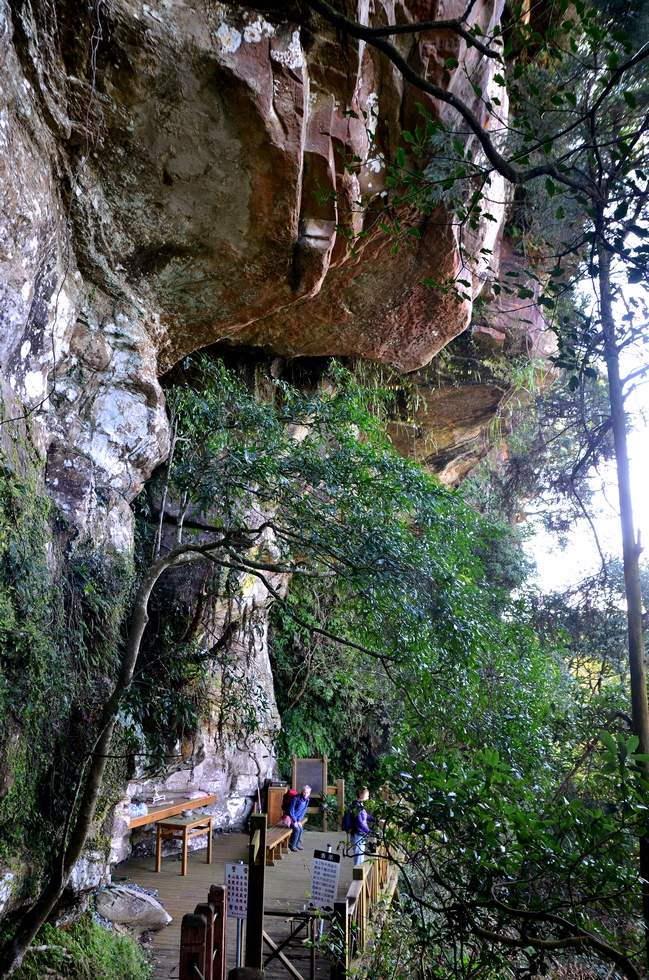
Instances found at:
x=575 y=148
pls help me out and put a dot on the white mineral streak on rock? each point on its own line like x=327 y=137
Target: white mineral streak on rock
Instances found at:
x=253 y=33
x=6 y=888
x=293 y=56
x=229 y=37
x=34 y=385
x=89 y=872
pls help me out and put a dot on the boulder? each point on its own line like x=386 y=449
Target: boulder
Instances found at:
x=135 y=909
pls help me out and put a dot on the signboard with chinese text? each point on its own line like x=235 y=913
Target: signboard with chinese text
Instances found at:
x=236 y=882
x=312 y=772
x=324 y=880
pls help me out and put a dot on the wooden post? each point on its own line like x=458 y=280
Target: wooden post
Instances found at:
x=218 y=899
x=183 y=862
x=360 y=874
x=193 y=951
x=340 y=784
x=207 y=910
x=325 y=782
x=341 y=925
x=256 y=892
x=313 y=936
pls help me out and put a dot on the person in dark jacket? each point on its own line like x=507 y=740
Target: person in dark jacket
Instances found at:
x=296 y=812
x=362 y=821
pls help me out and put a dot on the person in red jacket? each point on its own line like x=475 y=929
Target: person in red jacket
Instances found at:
x=362 y=821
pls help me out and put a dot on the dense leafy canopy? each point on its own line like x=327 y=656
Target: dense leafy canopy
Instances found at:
x=490 y=744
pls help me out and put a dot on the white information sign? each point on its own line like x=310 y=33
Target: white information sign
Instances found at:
x=324 y=880
x=236 y=881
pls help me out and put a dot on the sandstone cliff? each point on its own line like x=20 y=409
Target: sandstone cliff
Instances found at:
x=173 y=174
x=159 y=168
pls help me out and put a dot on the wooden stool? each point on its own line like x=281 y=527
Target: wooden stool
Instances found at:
x=182 y=828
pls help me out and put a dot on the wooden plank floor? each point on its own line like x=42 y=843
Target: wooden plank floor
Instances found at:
x=287 y=885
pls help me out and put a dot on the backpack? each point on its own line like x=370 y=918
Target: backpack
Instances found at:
x=287 y=799
x=349 y=817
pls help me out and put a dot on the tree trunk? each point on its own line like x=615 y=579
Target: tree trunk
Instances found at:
x=12 y=955
x=630 y=550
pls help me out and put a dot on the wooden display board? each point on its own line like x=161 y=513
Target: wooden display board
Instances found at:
x=274 y=807
x=311 y=772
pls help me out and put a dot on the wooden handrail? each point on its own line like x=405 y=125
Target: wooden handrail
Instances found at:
x=354 y=892
x=371 y=882
x=203 y=939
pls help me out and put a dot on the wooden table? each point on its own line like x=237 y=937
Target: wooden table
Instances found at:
x=182 y=828
x=169 y=808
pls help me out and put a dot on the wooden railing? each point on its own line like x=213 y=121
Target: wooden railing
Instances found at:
x=203 y=933
x=203 y=939
x=375 y=879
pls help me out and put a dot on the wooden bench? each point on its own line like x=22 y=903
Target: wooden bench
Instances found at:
x=277 y=839
x=170 y=808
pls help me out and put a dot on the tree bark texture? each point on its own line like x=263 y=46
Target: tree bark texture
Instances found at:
x=630 y=550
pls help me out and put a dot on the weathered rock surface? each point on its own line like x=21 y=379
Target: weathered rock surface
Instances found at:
x=447 y=426
x=80 y=362
x=159 y=164
x=173 y=175
x=232 y=755
x=448 y=433
x=139 y=911
x=187 y=163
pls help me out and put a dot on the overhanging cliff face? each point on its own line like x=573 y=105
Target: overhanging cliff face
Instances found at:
x=160 y=169
x=173 y=175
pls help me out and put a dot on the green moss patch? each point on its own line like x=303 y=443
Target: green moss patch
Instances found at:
x=85 y=951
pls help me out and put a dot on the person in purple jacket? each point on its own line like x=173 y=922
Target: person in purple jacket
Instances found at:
x=296 y=812
x=362 y=821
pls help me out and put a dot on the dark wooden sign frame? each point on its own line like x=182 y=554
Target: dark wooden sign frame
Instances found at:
x=312 y=772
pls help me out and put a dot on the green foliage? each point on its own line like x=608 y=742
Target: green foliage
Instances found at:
x=424 y=666
x=85 y=951
x=26 y=587
x=392 y=575
x=588 y=621
x=307 y=484
x=488 y=856
x=60 y=628
x=332 y=701
x=552 y=443
x=397 y=649
x=520 y=857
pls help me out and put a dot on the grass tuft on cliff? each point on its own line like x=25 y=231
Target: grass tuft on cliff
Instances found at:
x=84 y=951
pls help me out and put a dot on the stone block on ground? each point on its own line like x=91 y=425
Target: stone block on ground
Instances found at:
x=134 y=909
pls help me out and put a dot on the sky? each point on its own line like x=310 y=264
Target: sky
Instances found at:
x=558 y=568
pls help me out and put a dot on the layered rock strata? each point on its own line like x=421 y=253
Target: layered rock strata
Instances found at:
x=176 y=174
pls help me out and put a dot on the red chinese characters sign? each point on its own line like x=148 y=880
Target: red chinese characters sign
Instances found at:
x=236 y=881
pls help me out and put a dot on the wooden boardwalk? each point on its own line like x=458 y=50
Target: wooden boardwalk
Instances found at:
x=287 y=885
